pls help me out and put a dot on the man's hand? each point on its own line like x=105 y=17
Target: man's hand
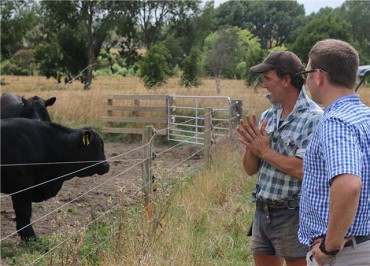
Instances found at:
x=253 y=138
x=318 y=255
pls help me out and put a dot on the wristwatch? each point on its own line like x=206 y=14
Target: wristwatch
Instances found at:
x=323 y=250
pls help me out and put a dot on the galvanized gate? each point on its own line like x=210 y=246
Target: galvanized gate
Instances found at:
x=186 y=116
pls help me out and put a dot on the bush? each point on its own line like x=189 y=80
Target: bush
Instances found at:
x=102 y=72
x=192 y=70
x=22 y=63
x=154 y=68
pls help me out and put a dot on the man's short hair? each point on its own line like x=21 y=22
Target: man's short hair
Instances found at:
x=338 y=58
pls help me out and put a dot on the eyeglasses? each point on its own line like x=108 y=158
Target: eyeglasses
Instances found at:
x=303 y=74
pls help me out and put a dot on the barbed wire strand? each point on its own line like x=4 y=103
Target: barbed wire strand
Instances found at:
x=59 y=177
x=116 y=177
x=104 y=214
x=65 y=204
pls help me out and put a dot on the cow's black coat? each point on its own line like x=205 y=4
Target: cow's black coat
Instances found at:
x=16 y=106
x=25 y=142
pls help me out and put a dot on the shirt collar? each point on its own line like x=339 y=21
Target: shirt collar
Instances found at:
x=301 y=103
x=347 y=98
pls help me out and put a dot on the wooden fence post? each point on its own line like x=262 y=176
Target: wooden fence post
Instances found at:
x=147 y=164
x=136 y=104
x=110 y=112
x=207 y=134
x=169 y=104
x=236 y=112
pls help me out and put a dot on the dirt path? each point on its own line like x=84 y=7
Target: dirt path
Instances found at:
x=100 y=199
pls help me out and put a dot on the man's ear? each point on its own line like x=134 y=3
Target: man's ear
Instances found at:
x=287 y=80
x=320 y=76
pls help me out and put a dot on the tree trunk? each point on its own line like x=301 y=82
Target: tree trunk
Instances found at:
x=90 y=49
x=218 y=85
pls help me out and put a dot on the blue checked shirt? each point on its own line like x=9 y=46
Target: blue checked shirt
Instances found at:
x=340 y=145
x=290 y=138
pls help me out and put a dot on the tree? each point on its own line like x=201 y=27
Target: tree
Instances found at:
x=78 y=30
x=191 y=31
x=18 y=18
x=152 y=16
x=225 y=49
x=321 y=27
x=274 y=22
x=192 y=69
x=358 y=14
x=154 y=68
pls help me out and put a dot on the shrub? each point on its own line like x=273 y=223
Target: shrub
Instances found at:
x=154 y=68
x=192 y=70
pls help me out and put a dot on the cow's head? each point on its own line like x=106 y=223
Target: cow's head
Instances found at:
x=92 y=150
x=35 y=108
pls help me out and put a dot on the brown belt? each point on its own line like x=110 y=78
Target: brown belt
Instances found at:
x=266 y=206
x=272 y=205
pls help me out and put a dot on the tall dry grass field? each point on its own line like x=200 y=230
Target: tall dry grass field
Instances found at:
x=76 y=107
x=205 y=218
x=201 y=220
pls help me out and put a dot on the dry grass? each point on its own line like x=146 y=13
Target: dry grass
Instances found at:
x=201 y=222
x=74 y=106
x=204 y=221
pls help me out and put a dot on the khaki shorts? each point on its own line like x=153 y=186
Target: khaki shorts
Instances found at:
x=357 y=255
x=279 y=236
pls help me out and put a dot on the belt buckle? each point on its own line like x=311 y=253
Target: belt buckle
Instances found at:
x=267 y=213
x=289 y=206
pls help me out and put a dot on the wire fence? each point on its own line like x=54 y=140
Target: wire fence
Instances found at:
x=138 y=163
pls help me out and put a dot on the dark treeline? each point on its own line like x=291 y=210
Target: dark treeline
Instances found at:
x=157 y=39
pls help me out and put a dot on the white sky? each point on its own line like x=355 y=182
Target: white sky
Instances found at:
x=315 y=5
x=309 y=5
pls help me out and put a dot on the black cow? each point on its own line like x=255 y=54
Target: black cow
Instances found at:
x=16 y=106
x=32 y=145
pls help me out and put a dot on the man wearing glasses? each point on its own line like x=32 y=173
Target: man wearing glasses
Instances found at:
x=275 y=148
x=334 y=211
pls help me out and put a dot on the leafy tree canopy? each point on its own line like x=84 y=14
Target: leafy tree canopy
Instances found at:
x=321 y=27
x=274 y=22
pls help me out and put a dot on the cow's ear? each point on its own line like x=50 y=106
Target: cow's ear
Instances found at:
x=50 y=101
x=24 y=101
x=87 y=137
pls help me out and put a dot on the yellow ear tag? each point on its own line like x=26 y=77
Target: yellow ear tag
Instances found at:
x=84 y=140
x=87 y=141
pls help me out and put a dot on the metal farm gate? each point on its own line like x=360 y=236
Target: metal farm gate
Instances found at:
x=180 y=118
x=186 y=115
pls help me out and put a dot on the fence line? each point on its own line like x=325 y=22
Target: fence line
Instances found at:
x=59 y=177
x=65 y=204
x=84 y=227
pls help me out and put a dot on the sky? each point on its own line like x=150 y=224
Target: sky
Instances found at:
x=315 y=5
x=309 y=5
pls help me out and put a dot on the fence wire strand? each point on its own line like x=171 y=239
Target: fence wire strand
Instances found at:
x=112 y=159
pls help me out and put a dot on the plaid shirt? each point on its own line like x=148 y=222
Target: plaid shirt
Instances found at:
x=341 y=145
x=291 y=139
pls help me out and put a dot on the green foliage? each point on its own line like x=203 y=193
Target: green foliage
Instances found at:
x=225 y=49
x=358 y=14
x=321 y=27
x=22 y=63
x=50 y=59
x=192 y=69
x=18 y=19
x=191 y=31
x=273 y=22
x=78 y=29
x=154 y=68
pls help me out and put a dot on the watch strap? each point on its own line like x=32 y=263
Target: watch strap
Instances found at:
x=323 y=250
